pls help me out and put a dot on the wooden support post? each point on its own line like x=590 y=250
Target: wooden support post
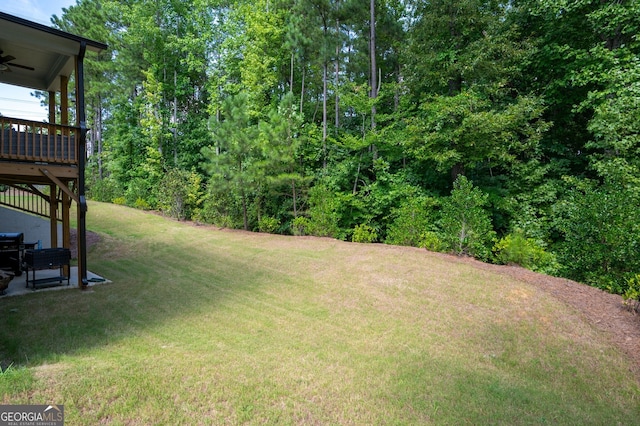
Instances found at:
x=83 y=281
x=52 y=107
x=66 y=226
x=53 y=214
x=64 y=100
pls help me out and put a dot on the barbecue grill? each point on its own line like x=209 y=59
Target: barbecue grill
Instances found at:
x=11 y=250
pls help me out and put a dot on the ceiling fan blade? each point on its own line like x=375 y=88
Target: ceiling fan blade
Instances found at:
x=22 y=66
x=6 y=58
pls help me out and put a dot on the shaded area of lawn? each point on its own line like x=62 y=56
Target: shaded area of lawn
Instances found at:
x=234 y=327
x=156 y=280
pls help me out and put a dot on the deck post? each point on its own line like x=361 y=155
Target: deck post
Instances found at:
x=83 y=282
x=52 y=107
x=64 y=100
x=66 y=226
x=53 y=214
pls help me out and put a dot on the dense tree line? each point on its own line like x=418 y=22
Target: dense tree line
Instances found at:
x=504 y=130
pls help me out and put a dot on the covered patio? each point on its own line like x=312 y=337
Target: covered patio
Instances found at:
x=42 y=164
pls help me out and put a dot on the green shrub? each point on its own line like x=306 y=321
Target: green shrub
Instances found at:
x=323 y=212
x=465 y=224
x=431 y=241
x=179 y=193
x=220 y=208
x=142 y=204
x=268 y=224
x=140 y=189
x=102 y=189
x=121 y=201
x=225 y=221
x=300 y=226
x=411 y=221
x=516 y=249
x=601 y=234
x=632 y=294
x=364 y=234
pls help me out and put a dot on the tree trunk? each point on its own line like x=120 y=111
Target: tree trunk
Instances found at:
x=457 y=170
x=324 y=114
x=295 y=198
x=175 y=117
x=291 y=74
x=374 y=66
x=374 y=70
x=455 y=85
x=244 y=209
x=302 y=89
x=99 y=138
x=337 y=77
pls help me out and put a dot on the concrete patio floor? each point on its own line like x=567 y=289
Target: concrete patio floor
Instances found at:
x=18 y=285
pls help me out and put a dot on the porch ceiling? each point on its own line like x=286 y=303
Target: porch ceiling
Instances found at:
x=50 y=52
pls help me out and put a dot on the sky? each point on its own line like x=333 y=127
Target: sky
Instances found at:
x=15 y=101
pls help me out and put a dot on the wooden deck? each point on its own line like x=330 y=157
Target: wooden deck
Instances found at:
x=24 y=141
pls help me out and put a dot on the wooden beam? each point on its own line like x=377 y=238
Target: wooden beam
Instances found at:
x=60 y=184
x=37 y=192
x=16 y=171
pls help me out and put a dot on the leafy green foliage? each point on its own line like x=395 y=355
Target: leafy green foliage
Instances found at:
x=220 y=208
x=281 y=145
x=233 y=162
x=300 y=226
x=465 y=224
x=323 y=212
x=103 y=189
x=140 y=192
x=431 y=241
x=516 y=249
x=615 y=126
x=268 y=224
x=179 y=193
x=631 y=295
x=364 y=234
x=469 y=129
x=141 y=204
x=412 y=222
x=601 y=234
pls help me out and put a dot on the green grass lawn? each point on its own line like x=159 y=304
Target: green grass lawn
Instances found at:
x=202 y=326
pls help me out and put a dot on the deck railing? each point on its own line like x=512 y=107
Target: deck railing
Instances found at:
x=28 y=199
x=38 y=142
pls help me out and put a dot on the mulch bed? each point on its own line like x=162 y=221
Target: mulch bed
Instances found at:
x=92 y=238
